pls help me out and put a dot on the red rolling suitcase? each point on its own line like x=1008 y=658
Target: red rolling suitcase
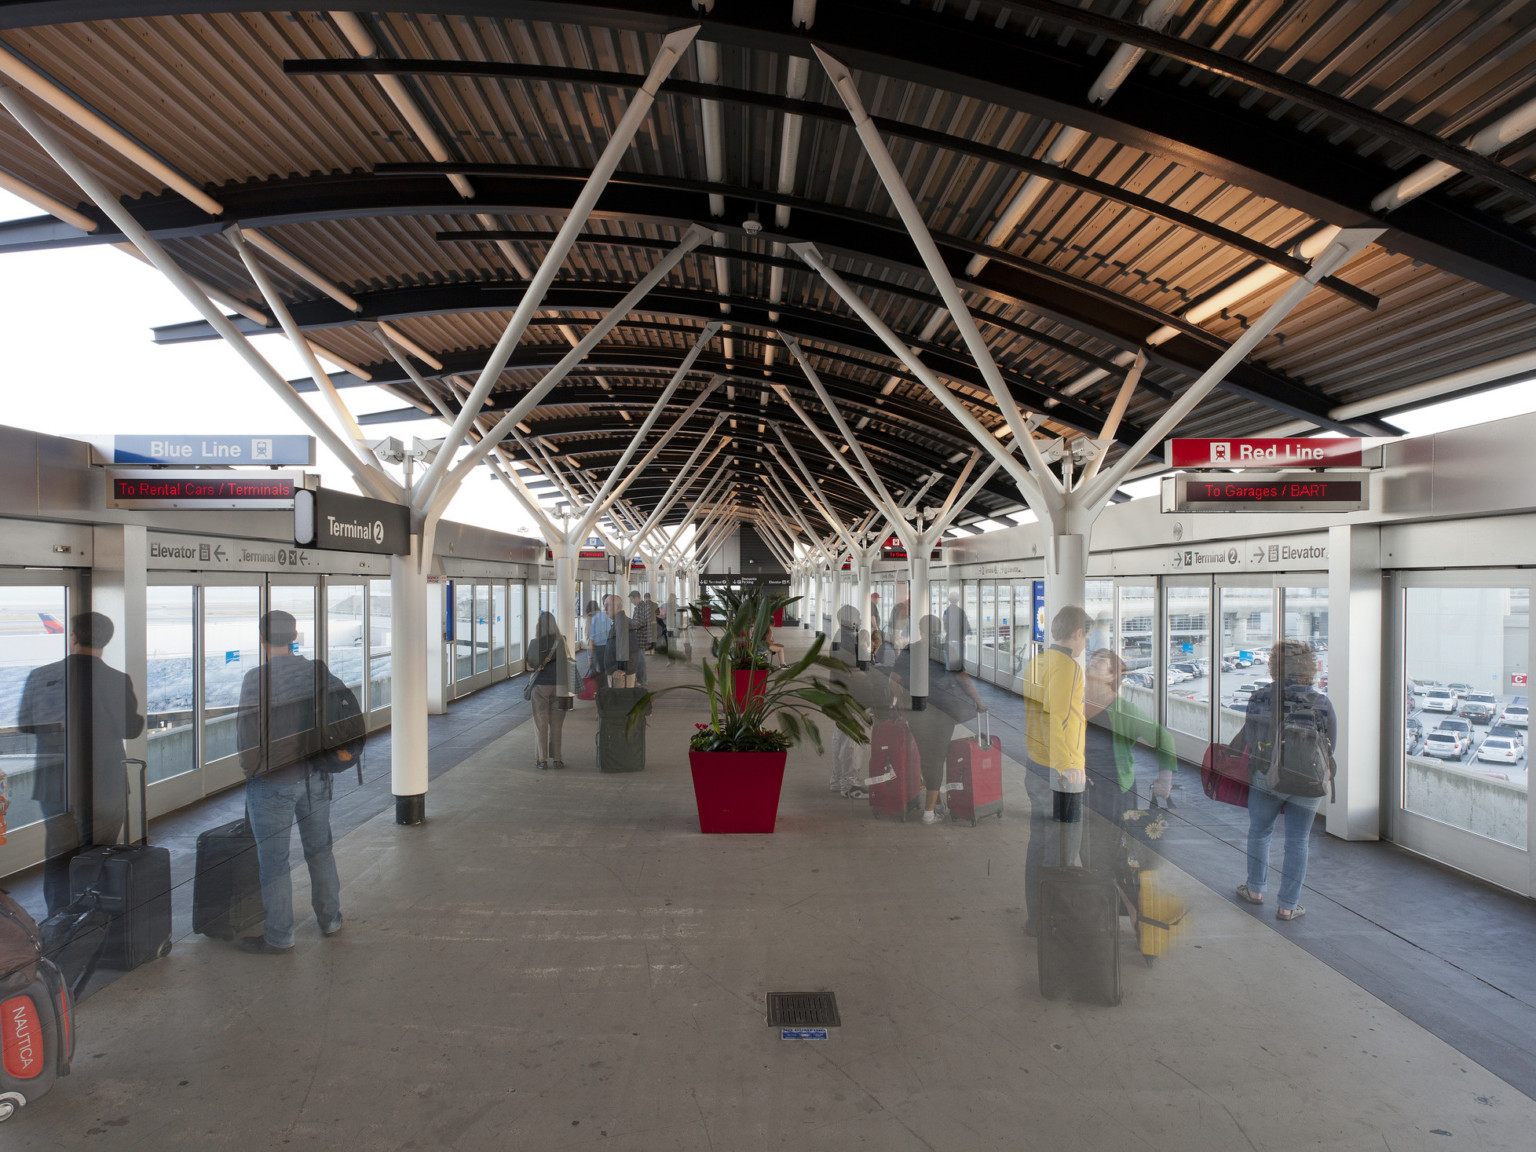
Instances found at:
x=895 y=780
x=37 y=1041
x=973 y=775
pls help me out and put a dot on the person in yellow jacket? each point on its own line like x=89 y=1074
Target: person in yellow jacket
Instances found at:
x=1055 y=729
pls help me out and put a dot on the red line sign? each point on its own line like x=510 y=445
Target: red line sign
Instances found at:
x=1310 y=452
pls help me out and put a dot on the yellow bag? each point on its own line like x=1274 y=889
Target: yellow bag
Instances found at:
x=1160 y=917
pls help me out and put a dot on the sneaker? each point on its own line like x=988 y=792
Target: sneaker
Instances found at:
x=930 y=817
x=541 y=764
x=333 y=929
x=259 y=945
x=856 y=792
x=559 y=764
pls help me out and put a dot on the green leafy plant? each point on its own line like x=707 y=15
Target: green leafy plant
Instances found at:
x=788 y=700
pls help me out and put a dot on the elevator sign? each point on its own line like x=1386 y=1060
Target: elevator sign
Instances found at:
x=1310 y=452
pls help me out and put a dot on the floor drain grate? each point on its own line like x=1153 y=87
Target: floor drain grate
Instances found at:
x=803 y=1010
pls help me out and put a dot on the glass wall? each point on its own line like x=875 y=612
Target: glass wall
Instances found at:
x=987 y=625
x=231 y=648
x=498 y=625
x=1465 y=652
x=515 y=632
x=1006 y=668
x=482 y=627
x=380 y=642
x=1187 y=616
x=170 y=704
x=973 y=622
x=33 y=643
x=463 y=647
x=345 y=614
x=298 y=600
x=1242 y=664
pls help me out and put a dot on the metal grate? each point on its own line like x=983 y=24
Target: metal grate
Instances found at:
x=803 y=1010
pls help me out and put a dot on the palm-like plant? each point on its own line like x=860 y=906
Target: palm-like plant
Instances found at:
x=787 y=698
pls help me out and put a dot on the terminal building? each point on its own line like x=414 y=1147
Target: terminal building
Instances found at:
x=1015 y=356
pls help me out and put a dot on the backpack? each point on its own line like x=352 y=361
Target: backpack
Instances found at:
x=20 y=941
x=1296 y=752
x=346 y=731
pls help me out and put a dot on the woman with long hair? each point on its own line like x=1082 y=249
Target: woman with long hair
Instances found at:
x=548 y=656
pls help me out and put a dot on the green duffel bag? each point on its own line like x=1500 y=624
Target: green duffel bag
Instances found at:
x=617 y=751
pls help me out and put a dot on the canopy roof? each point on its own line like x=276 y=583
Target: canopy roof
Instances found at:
x=1243 y=131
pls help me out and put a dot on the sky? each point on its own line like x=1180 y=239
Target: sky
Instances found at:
x=77 y=324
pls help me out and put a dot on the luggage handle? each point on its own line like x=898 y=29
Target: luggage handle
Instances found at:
x=984 y=722
x=128 y=801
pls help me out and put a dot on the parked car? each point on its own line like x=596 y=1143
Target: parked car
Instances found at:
x=1137 y=679
x=1497 y=750
x=1439 y=700
x=1443 y=745
x=1175 y=676
x=1459 y=689
x=1191 y=671
x=1517 y=716
x=1508 y=732
x=1238 y=659
x=1413 y=737
x=1476 y=711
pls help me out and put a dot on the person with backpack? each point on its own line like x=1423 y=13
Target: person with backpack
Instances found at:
x=289 y=750
x=1289 y=731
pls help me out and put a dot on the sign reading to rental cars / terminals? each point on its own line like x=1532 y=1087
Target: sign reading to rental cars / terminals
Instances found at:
x=166 y=489
x=1318 y=452
x=219 y=451
x=1267 y=492
x=347 y=523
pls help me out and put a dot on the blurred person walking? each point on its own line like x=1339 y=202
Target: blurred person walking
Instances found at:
x=550 y=658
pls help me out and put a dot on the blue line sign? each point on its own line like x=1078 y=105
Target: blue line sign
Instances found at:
x=219 y=451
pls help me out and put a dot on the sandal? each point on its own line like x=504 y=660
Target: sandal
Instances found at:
x=1295 y=913
x=1244 y=894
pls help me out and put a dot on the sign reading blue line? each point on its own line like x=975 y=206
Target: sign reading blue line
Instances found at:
x=802 y=1034
x=214 y=450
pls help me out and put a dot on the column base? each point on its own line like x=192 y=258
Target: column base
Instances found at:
x=919 y=703
x=411 y=809
x=863 y=665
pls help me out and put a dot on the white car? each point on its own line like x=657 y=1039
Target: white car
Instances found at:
x=1517 y=716
x=1445 y=745
x=1498 y=750
x=1439 y=700
x=1176 y=676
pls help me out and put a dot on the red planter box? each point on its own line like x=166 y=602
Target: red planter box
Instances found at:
x=750 y=682
x=737 y=791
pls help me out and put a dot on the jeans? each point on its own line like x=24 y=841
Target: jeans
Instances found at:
x=1263 y=810
x=548 y=721
x=1052 y=844
x=273 y=808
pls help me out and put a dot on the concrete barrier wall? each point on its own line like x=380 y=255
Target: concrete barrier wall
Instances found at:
x=1466 y=799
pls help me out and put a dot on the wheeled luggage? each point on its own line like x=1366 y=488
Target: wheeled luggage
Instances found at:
x=1079 y=935
x=973 y=775
x=895 y=780
x=133 y=884
x=226 y=893
x=617 y=750
x=36 y=1032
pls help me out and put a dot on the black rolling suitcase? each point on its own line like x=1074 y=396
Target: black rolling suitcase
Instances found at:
x=1079 y=935
x=132 y=883
x=226 y=894
x=617 y=751
x=38 y=1039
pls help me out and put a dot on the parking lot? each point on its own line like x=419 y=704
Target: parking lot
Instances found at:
x=1431 y=719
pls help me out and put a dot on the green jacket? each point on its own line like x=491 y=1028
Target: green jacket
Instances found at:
x=1128 y=725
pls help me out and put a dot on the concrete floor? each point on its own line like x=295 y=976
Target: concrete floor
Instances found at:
x=561 y=961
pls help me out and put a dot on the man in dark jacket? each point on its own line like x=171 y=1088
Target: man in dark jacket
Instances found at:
x=281 y=737
x=79 y=768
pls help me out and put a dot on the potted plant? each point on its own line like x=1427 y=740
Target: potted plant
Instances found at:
x=737 y=759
